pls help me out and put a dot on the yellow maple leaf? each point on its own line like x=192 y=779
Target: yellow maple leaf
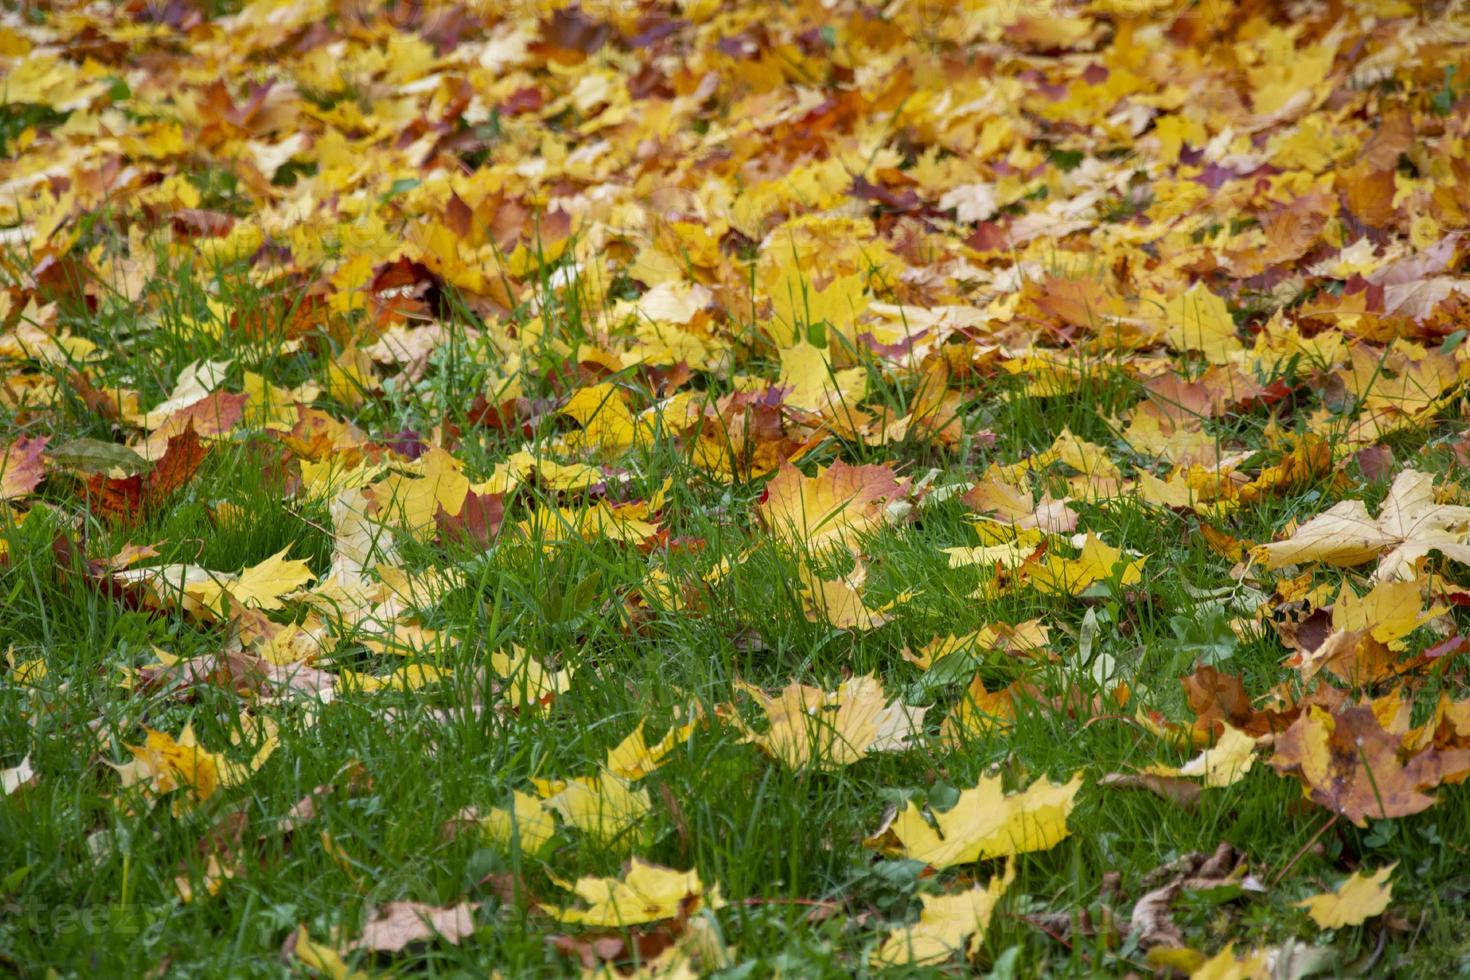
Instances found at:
x=634 y=758
x=530 y=683
x=797 y=304
x=985 y=822
x=645 y=893
x=1224 y=965
x=602 y=411
x=1008 y=547
x=1054 y=574
x=526 y=821
x=605 y=806
x=1357 y=899
x=828 y=729
x=1409 y=526
x=322 y=958
x=813 y=384
x=979 y=711
x=412 y=501
x=1199 y=321
x=163 y=764
x=834 y=506
x=409 y=677
x=839 y=602
x=1390 y=611
x=948 y=924
x=1224 y=763
x=257 y=587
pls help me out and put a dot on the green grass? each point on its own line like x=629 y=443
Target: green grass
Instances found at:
x=86 y=879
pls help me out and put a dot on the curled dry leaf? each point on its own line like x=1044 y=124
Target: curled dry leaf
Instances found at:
x=1184 y=793
x=1151 y=923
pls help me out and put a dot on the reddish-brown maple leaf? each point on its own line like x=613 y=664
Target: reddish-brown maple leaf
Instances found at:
x=22 y=468
x=1349 y=763
x=477 y=523
x=124 y=500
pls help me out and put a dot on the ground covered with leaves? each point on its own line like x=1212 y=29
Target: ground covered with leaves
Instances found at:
x=683 y=488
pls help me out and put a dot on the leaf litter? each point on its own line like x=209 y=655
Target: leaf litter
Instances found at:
x=813 y=253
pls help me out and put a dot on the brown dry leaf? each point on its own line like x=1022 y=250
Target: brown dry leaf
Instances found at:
x=126 y=500
x=398 y=924
x=477 y=523
x=1151 y=924
x=1182 y=792
x=1219 y=699
x=1348 y=762
x=23 y=468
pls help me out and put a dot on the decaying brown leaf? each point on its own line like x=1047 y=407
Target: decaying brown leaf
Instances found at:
x=398 y=924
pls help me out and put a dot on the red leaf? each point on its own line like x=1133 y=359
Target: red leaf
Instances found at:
x=477 y=523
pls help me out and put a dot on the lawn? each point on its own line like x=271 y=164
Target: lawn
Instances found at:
x=680 y=488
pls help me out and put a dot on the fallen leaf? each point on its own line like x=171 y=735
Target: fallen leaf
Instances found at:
x=1359 y=898
x=948 y=924
x=985 y=822
x=398 y=924
x=257 y=587
x=23 y=467
x=1225 y=965
x=810 y=727
x=1349 y=763
x=645 y=893
x=1221 y=765
x=1182 y=792
x=316 y=956
x=834 y=507
x=1409 y=526
x=17 y=777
